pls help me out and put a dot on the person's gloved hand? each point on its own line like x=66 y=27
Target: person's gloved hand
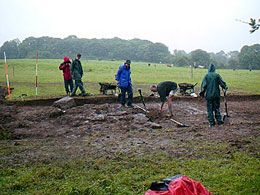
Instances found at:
x=202 y=94
x=225 y=89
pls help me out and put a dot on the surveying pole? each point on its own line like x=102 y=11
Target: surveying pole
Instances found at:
x=36 y=75
x=7 y=78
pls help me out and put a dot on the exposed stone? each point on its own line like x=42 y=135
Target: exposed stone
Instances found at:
x=65 y=103
x=118 y=113
x=153 y=125
x=56 y=112
x=97 y=117
x=140 y=118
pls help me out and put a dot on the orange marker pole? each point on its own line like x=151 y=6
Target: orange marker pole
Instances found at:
x=7 y=78
x=36 y=75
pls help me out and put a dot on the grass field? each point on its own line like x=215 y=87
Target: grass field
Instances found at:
x=22 y=76
x=236 y=175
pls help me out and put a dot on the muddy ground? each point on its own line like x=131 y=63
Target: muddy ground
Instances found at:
x=40 y=132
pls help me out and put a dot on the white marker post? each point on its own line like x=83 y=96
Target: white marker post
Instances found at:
x=36 y=75
x=7 y=78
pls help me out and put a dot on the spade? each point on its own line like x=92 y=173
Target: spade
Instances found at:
x=226 y=116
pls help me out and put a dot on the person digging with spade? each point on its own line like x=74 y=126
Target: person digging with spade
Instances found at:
x=166 y=91
x=210 y=85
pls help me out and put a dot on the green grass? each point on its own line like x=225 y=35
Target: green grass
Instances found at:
x=22 y=76
x=236 y=175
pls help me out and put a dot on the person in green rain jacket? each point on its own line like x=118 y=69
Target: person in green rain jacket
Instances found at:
x=210 y=86
x=77 y=73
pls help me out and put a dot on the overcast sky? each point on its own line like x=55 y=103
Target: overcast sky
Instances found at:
x=179 y=24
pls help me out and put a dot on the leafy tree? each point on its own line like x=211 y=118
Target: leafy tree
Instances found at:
x=179 y=53
x=181 y=58
x=11 y=48
x=254 y=25
x=116 y=48
x=200 y=57
x=182 y=61
x=120 y=49
x=233 y=59
x=219 y=59
x=249 y=57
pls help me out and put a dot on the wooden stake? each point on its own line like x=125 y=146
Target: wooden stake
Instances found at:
x=36 y=75
x=141 y=108
x=179 y=123
x=7 y=78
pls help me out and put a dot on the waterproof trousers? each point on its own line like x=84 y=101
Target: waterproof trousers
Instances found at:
x=129 y=92
x=68 y=84
x=79 y=84
x=213 y=108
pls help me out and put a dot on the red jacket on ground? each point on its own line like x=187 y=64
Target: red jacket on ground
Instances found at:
x=182 y=186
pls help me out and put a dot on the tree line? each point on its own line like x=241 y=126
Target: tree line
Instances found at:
x=135 y=49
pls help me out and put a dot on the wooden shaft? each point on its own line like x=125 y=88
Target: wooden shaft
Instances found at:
x=141 y=108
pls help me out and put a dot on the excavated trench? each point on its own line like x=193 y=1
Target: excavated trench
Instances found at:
x=37 y=131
